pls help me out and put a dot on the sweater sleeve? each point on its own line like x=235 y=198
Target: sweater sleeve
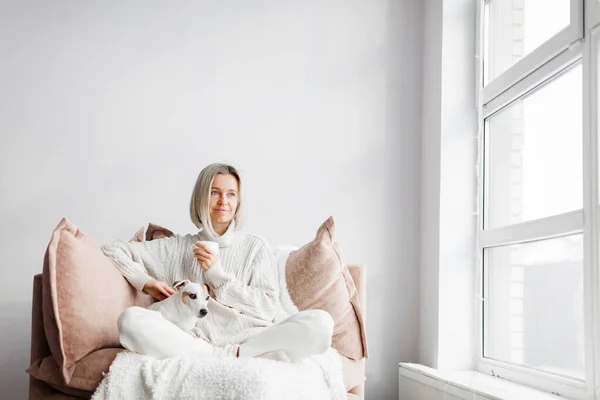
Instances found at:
x=258 y=298
x=141 y=261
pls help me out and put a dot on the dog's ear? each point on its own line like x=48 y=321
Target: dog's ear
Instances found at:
x=180 y=284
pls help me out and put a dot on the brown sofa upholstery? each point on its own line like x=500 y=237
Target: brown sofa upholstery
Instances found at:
x=98 y=363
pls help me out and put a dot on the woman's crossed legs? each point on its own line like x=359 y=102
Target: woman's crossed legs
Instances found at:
x=301 y=335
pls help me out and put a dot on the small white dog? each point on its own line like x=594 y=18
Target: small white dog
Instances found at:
x=185 y=306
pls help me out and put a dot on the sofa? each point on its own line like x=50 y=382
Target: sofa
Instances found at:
x=90 y=370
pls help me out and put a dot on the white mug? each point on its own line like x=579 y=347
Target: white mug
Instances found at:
x=213 y=246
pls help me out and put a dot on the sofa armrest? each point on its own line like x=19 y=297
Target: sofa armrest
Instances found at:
x=39 y=390
x=358 y=273
x=39 y=344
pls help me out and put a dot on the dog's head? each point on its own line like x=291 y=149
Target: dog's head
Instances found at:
x=193 y=296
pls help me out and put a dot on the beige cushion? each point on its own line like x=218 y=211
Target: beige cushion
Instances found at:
x=80 y=315
x=317 y=278
x=87 y=373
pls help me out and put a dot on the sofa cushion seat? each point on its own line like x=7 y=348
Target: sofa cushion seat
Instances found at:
x=90 y=370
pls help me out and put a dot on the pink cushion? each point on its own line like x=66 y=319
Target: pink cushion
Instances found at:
x=83 y=295
x=317 y=278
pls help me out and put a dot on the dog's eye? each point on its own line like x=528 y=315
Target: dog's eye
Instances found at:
x=207 y=297
x=193 y=296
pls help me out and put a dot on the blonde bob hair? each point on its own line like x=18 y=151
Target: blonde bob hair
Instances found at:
x=199 y=205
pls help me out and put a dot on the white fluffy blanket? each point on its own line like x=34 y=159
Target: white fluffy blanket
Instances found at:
x=135 y=376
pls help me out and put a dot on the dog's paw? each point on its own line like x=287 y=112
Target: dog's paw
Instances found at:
x=197 y=333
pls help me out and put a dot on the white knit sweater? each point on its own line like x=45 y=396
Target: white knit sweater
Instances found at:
x=248 y=284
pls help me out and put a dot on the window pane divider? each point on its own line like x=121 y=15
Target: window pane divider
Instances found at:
x=544 y=228
x=544 y=74
x=538 y=57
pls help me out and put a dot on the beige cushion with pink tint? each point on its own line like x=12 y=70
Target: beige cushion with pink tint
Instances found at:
x=80 y=315
x=317 y=278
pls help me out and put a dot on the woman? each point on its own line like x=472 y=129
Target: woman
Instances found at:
x=246 y=317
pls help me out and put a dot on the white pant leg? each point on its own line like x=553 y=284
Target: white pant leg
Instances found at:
x=302 y=335
x=148 y=332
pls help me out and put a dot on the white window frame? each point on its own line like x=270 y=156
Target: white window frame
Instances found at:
x=591 y=90
x=570 y=46
x=593 y=12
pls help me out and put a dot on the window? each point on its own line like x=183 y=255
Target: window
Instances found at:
x=538 y=238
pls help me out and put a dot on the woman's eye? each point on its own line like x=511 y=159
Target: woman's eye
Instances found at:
x=231 y=194
x=193 y=296
x=214 y=193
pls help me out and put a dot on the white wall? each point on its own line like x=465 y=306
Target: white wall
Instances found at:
x=449 y=191
x=109 y=109
x=430 y=186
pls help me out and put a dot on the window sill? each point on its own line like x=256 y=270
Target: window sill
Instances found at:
x=467 y=384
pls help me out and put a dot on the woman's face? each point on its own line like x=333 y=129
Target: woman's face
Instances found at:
x=223 y=201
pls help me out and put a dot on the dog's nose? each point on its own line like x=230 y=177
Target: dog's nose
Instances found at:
x=203 y=312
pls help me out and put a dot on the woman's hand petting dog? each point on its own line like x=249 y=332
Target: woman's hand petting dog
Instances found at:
x=205 y=257
x=157 y=289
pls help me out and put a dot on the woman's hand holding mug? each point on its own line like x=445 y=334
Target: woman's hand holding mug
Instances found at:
x=206 y=253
